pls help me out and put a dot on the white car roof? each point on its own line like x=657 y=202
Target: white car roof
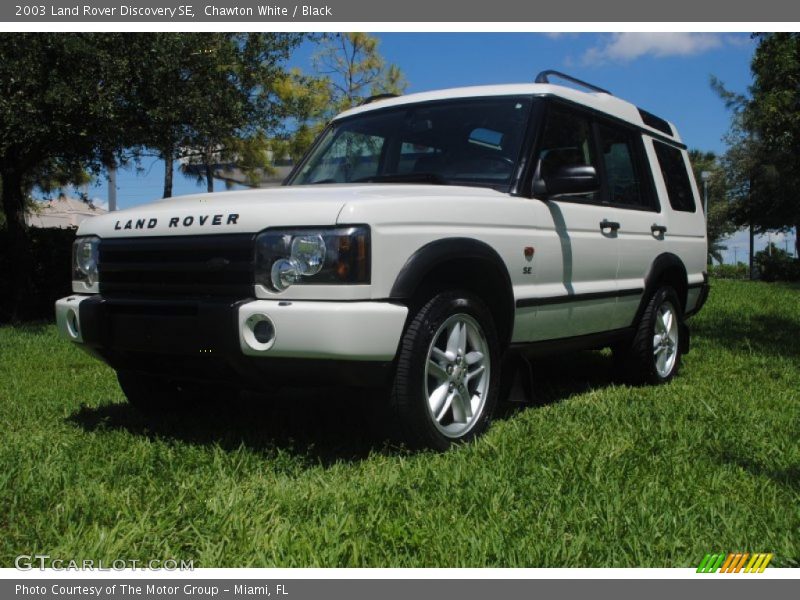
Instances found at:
x=602 y=102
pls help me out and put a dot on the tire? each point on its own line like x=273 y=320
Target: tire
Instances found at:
x=152 y=395
x=447 y=378
x=654 y=355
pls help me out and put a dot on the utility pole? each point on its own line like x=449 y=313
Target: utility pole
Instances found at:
x=705 y=176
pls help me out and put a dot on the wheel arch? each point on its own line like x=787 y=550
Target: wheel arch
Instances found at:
x=465 y=263
x=667 y=268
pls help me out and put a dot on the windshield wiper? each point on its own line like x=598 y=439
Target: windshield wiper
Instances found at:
x=434 y=178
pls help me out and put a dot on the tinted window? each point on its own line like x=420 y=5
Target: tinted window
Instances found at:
x=566 y=141
x=461 y=142
x=620 y=154
x=673 y=169
x=655 y=122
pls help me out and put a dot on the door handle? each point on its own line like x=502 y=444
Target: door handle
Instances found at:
x=658 y=229
x=606 y=224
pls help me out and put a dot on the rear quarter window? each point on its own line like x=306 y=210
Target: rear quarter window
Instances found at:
x=676 y=178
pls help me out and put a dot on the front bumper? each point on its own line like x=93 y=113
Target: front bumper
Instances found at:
x=349 y=342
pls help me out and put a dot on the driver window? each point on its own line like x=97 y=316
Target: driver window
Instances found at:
x=566 y=141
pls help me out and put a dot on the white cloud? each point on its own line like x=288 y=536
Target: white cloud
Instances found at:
x=740 y=40
x=625 y=47
x=560 y=35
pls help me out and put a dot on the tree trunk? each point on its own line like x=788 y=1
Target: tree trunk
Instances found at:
x=169 y=159
x=797 y=240
x=19 y=246
x=752 y=252
x=209 y=177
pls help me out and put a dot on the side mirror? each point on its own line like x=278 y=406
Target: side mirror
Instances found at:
x=569 y=179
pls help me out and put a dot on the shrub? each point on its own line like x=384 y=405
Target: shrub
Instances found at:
x=51 y=274
x=775 y=264
x=738 y=271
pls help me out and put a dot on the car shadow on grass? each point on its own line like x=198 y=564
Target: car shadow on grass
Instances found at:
x=318 y=425
x=322 y=426
x=786 y=477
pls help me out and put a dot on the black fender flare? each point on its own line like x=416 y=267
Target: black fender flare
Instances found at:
x=662 y=263
x=438 y=252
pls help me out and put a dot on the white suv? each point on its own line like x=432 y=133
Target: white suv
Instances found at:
x=422 y=242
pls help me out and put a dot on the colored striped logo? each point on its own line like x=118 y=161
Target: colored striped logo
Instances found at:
x=734 y=562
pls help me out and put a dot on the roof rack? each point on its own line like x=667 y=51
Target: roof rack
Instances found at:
x=377 y=97
x=544 y=77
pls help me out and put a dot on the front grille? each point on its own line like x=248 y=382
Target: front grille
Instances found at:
x=181 y=266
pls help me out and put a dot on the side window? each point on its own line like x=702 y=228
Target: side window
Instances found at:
x=566 y=141
x=621 y=158
x=676 y=178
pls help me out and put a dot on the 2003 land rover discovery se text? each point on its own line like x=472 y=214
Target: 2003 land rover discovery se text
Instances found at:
x=421 y=241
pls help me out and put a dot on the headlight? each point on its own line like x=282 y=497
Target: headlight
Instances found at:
x=85 y=256
x=312 y=256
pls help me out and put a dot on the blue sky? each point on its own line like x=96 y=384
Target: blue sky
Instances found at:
x=665 y=73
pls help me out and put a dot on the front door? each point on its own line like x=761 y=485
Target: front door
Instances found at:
x=577 y=252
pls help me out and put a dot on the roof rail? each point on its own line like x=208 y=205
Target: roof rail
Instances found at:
x=377 y=97
x=544 y=77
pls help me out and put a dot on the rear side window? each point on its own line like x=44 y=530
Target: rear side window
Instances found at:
x=673 y=169
x=621 y=160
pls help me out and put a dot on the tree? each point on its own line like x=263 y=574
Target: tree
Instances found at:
x=71 y=103
x=220 y=92
x=64 y=106
x=763 y=160
x=719 y=223
x=307 y=101
x=348 y=69
x=355 y=69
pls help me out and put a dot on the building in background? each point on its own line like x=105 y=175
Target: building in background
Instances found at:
x=62 y=212
x=233 y=176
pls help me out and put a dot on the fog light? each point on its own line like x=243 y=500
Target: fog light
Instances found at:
x=259 y=332
x=264 y=331
x=72 y=324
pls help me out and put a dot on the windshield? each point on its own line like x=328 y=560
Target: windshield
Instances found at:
x=455 y=142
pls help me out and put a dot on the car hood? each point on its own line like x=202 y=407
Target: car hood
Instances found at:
x=253 y=210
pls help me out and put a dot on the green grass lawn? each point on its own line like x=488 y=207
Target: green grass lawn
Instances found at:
x=596 y=474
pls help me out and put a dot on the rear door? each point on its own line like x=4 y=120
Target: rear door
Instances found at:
x=631 y=193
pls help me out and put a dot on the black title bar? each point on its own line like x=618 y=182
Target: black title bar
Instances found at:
x=187 y=11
